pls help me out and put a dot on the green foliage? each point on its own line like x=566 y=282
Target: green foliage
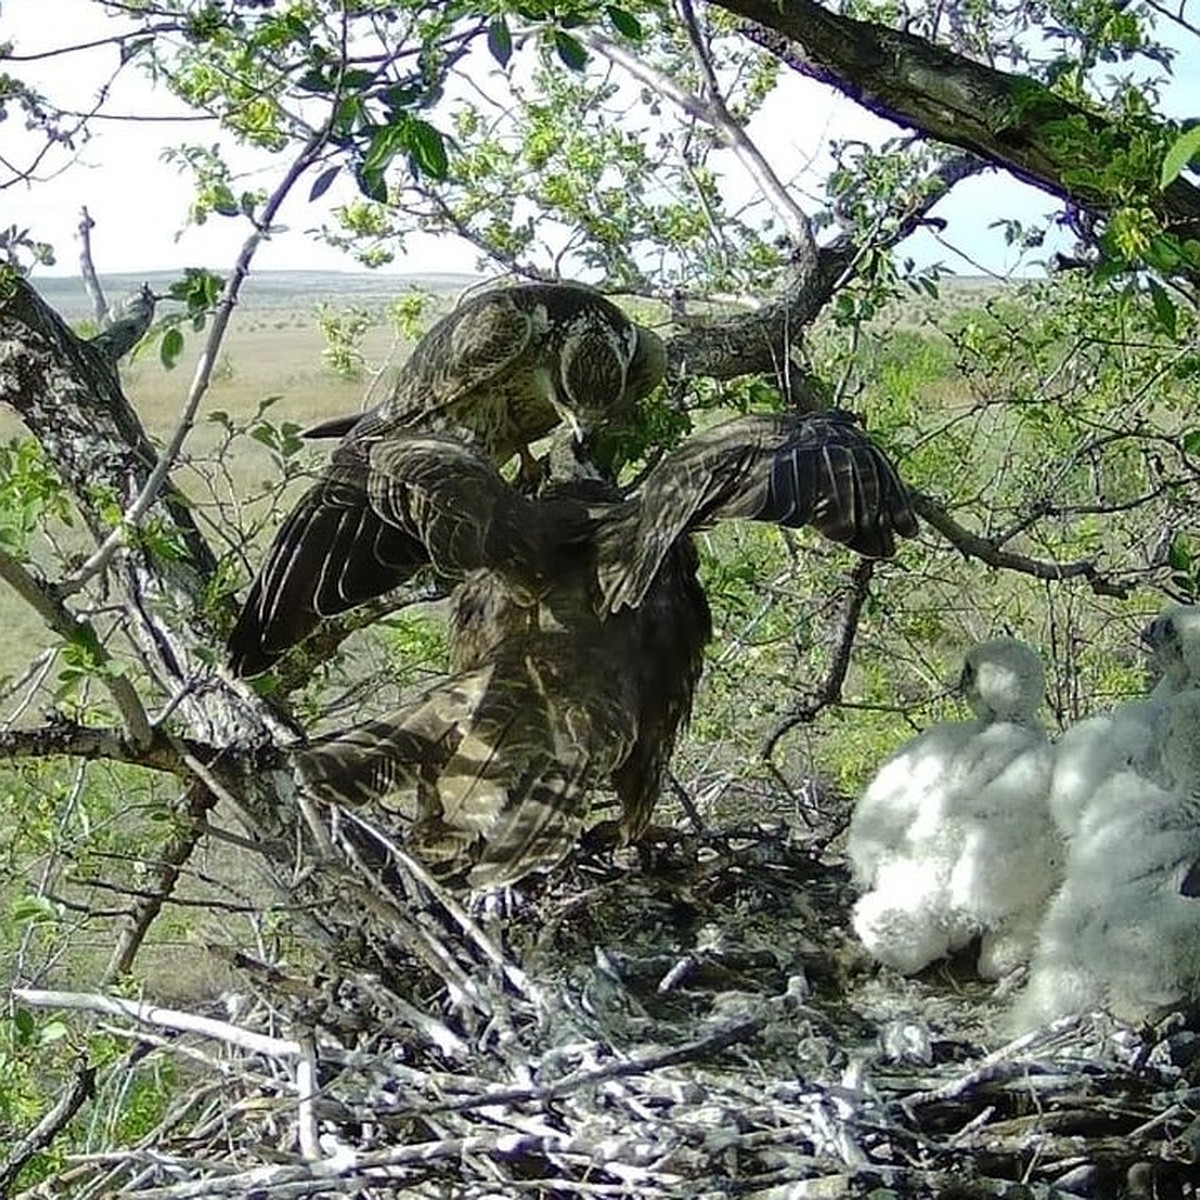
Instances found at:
x=31 y=495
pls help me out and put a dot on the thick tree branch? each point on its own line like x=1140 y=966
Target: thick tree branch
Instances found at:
x=1011 y=120
x=91 y=742
x=759 y=342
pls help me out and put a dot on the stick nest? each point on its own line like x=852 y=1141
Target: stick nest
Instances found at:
x=693 y=1018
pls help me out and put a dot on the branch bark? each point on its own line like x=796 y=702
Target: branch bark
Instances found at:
x=1010 y=120
x=80 y=1091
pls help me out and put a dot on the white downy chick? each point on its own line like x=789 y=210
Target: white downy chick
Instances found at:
x=953 y=835
x=1126 y=738
x=1123 y=933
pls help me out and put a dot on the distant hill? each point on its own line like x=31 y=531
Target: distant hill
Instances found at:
x=262 y=291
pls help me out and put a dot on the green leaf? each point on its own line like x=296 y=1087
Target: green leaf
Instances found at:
x=371 y=183
x=386 y=142
x=26 y=1024
x=1191 y=441
x=171 y=348
x=322 y=183
x=1182 y=151
x=499 y=40
x=33 y=908
x=427 y=150
x=1164 y=307
x=1179 y=557
x=52 y=1031
x=570 y=50
x=625 y=23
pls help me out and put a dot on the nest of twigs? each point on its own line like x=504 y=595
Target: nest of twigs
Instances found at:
x=693 y=1019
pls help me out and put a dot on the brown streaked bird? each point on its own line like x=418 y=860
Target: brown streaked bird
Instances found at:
x=492 y=770
x=498 y=373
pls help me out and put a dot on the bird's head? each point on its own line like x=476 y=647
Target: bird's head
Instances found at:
x=1172 y=642
x=1002 y=680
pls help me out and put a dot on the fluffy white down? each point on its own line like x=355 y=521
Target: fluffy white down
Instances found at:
x=1123 y=933
x=953 y=836
x=1127 y=738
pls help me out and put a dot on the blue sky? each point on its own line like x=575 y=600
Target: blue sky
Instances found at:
x=139 y=203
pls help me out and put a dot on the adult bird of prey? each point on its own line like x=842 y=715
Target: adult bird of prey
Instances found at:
x=497 y=373
x=554 y=696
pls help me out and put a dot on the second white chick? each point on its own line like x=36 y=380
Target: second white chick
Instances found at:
x=953 y=836
x=1123 y=933
x=1127 y=738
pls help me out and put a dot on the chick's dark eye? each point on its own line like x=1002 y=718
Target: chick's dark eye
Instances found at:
x=968 y=674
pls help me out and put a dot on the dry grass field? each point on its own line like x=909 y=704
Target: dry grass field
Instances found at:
x=274 y=348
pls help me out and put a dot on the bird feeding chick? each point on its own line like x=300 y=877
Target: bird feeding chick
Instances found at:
x=953 y=838
x=1126 y=739
x=497 y=373
x=1123 y=931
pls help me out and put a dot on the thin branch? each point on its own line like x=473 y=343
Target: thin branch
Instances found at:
x=794 y=218
x=118 y=39
x=81 y=1090
x=197 y=801
x=806 y=708
x=971 y=545
x=46 y=603
x=715 y=115
x=204 y=368
x=87 y=268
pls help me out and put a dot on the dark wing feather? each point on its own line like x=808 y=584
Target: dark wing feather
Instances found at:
x=319 y=565
x=820 y=470
x=383 y=510
x=830 y=475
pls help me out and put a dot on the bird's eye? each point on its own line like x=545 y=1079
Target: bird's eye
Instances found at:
x=967 y=677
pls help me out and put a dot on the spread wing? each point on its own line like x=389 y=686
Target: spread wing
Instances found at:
x=380 y=512
x=820 y=470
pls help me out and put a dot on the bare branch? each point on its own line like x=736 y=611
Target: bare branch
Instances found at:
x=51 y=609
x=986 y=550
x=80 y=1091
x=716 y=115
x=805 y=709
x=190 y=815
x=161 y=1018
x=87 y=268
